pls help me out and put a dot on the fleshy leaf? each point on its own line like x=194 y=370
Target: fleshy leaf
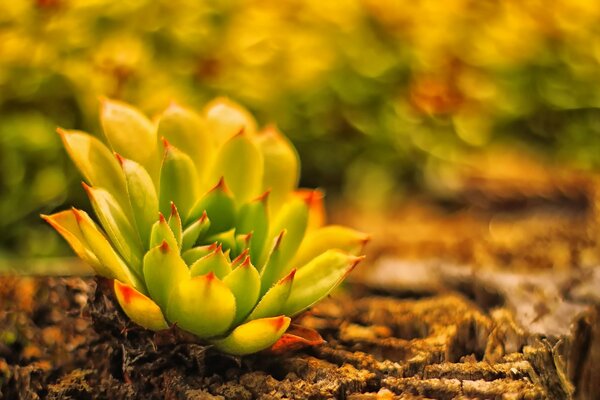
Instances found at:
x=187 y=131
x=116 y=224
x=225 y=119
x=178 y=181
x=281 y=165
x=195 y=253
x=161 y=232
x=244 y=283
x=163 y=271
x=66 y=224
x=317 y=279
x=253 y=217
x=202 y=305
x=139 y=307
x=253 y=336
x=130 y=133
x=175 y=224
x=272 y=302
x=275 y=266
x=142 y=197
x=240 y=163
x=293 y=217
x=111 y=265
x=219 y=206
x=330 y=237
x=215 y=262
x=95 y=161
x=295 y=338
x=194 y=232
x=316 y=207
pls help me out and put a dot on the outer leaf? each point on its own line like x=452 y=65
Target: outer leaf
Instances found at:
x=120 y=231
x=194 y=232
x=316 y=207
x=95 y=161
x=163 y=271
x=281 y=165
x=219 y=206
x=66 y=224
x=225 y=119
x=253 y=336
x=296 y=337
x=240 y=163
x=178 y=181
x=187 y=131
x=142 y=197
x=111 y=265
x=129 y=133
x=139 y=307
x=202 y=305
x=317 y=278
x=215 y=262
x=271 y=304
x=330 y=237
x=244 y=283
x=253 y=217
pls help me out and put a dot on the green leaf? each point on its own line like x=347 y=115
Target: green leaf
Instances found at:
x=240 y=163
x=161 y=232
x=163 y=271
x=244 y=283
x=142 y=197
x=195 y=253
x=219 y=206
x=175 y=224
x=187 y=131
x=95 y=161
x=202 y=305
x=281 y=165
x=293 y=217
x=275 y=266
x=271 y=304
x=111 y=265
x=226 y=239
x=196 y=231
x=330 y=237
x=118 y=227
x=253 y=336
x=215 y=262
x=178 y=181
x=139 y=307
x=225 y=118
x=66 y=225
x=317 y=279
x=253 y=218
x=130 y=133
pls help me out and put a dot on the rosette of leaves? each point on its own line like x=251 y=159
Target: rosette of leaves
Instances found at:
x=201 y=224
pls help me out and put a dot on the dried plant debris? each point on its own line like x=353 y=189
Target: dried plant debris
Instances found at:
x=377 y=347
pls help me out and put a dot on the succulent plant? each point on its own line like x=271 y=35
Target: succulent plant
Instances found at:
x=201 y=224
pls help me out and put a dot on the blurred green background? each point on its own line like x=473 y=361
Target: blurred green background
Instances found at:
x=379 y=96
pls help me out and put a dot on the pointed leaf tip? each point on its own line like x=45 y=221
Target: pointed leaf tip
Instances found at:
x=210 y=276
x=289 y=277
x=279 y=322
x=242 y=257
x=164 y=246
x=162 y=218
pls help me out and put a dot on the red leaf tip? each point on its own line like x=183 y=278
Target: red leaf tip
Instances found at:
x=289 y=277
x=210 y=276
x=278 y=322
x=119 y=158
x=246 y=263
x=77 y=213
x=204 y=217
x=220 y=186
x=164 y=246
x=279 y=239
x=174 y=209
x=162 y=218
x=241 y=257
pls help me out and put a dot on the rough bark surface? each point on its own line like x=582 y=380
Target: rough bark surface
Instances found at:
x=380 y=345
